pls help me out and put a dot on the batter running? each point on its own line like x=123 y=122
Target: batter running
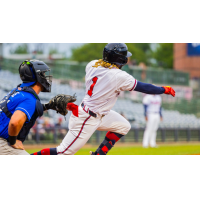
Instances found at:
x=104 y=82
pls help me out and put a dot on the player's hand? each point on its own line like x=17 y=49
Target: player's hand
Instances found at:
x=146 y=118
x=169 y=90
x=161 y=119
x=18 y=145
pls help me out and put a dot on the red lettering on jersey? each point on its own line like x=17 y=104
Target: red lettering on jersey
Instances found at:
x=92 y=86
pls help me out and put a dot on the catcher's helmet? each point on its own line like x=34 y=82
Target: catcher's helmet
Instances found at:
x=116 y=53
x=36 y=71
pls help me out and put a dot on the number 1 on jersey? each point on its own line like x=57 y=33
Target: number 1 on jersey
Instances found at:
x=92 y=86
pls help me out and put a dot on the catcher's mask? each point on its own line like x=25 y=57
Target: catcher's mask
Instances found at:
x=116 y=53
x=36 y=71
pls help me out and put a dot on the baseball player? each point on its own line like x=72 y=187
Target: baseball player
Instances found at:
x=21 y=107
x=104 y=81
x=153 y=116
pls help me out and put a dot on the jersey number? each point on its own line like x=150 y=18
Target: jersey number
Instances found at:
x=92 y=86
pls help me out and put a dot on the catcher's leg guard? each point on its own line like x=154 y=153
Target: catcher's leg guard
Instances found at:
x=108 y=143
x=48 y=151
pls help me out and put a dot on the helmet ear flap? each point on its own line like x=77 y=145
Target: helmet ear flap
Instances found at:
x=125 y=59
x=107 y=56
x=26 y=73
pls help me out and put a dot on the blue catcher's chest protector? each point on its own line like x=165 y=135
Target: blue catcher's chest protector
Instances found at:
x=29 y=123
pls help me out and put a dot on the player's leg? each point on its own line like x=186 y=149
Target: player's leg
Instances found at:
x=117 y=126
x=148 y=131
x=156 y=121
x=145 y=141
x=80 y=130
x=6 y=149
x=20 y=152
x=47 y=151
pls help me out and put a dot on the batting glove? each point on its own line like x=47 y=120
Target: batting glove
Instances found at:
x=73 y=107
x=169 y=90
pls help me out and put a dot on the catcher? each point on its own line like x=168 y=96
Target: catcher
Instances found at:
x=21 y=107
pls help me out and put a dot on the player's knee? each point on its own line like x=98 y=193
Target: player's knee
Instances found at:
x=127 y=128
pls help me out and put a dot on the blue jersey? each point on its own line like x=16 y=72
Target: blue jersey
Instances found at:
x=23 y=101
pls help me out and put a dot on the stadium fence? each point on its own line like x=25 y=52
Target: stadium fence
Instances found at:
x=54 y=136
x=76 y=71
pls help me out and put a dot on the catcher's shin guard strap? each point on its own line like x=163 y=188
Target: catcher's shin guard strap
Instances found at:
x=105 y=147
x=48 y=151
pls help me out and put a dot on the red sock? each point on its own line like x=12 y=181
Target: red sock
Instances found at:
x=113 y=136
x=73 y=107
x=109 y=141
x=48 y=151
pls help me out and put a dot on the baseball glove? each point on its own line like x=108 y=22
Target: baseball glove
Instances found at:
x=59 y=103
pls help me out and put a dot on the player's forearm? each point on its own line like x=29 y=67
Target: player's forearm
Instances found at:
x=13 y=131
x=15 y=125
x=149 y=88
x=14 y=128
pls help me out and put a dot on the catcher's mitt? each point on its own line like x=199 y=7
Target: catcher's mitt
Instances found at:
x=59 y=103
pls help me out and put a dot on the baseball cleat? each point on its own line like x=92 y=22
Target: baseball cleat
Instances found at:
x=92 y=153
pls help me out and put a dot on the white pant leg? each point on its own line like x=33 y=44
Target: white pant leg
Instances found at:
x=155 y=126
x=114 y=122
x=80 y=130
x=146 y=135
x=145 y=141
x=6 y=149
x=148 y=130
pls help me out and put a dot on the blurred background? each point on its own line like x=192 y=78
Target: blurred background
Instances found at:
x=177 y=65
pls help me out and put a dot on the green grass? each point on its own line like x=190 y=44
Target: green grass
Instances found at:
x=175 y=149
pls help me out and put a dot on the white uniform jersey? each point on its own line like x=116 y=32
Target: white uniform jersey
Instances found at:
x=104 y=85
x=153 y=102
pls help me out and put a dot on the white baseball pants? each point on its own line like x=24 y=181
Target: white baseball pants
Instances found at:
x=150 y=133
x=81 y=129
x=6 y=149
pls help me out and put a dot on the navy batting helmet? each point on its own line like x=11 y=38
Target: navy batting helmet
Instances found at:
x=116 y=53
